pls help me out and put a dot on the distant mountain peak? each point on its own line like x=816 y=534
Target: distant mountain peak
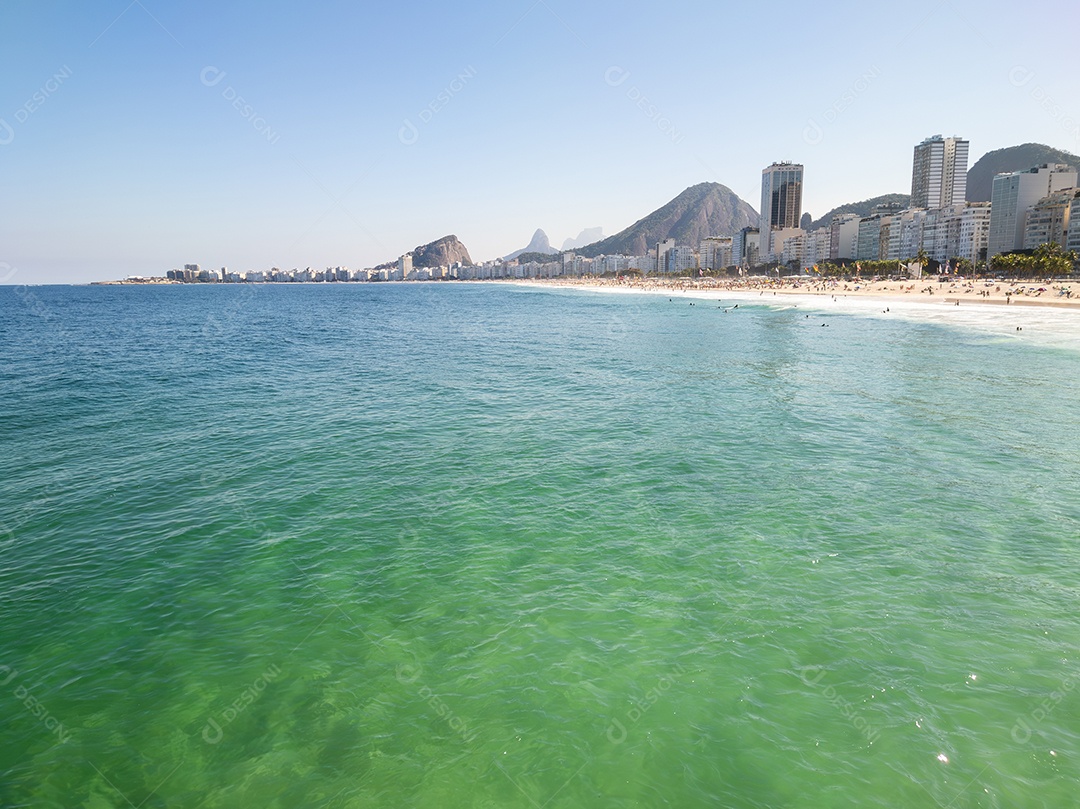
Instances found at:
x=538 y=244
x=702 y=210
x=587 y=236
x=439 y=253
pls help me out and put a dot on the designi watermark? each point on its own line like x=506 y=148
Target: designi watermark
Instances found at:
x=213 y=732
x=617 y=731
x=34 y=705
x=408 y=674
x=812 y=677
x=1025 y=726
x=409 y=133
x=814 y=131
x=616 y=76
x=32 y=105
x=211 y=76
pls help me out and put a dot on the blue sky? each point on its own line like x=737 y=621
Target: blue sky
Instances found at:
x=251 y=134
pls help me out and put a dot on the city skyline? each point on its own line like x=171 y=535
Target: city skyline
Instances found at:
x=136 y=134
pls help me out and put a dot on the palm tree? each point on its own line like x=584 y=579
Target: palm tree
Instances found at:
x=1051 y=260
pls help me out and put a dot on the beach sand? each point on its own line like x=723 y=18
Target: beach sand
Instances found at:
x=951 y=293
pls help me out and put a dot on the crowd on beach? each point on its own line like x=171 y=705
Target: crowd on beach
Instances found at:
x=951 y=290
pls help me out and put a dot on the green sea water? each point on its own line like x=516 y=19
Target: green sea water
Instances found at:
x=488 y=546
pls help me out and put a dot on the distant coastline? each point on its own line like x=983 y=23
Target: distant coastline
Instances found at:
x=951 y=292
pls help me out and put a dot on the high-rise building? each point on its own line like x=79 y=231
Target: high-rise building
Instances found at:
x=1013 y=194
x=781 y=202
x=745 y=246
x=939 y=172
x=662 y=250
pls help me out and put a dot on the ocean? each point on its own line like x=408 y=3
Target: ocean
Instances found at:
x=487 y=545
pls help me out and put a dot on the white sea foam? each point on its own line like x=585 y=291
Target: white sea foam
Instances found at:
x=1038 y=325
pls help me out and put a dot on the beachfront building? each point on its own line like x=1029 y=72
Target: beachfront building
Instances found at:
x=779 y=237
x=612 y=264
x=944 y=234
x=843 y=235
x=974 y=227
x=1048 y=219
x=868 y=244
x=571 y=264
x=939 y=172
x=745 y=247
x=793 y=247
x=935 y=233
x=817 y=247
x=662 y=250
x=885 y=233
x=681 y=259
x=911 y=233
x=716 y=252
x=905 y=230
x=899 y=223
x=1072 y=241
x=781 y=205
x=1014 y=194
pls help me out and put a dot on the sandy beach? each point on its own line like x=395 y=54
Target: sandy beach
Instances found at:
x=928 y=290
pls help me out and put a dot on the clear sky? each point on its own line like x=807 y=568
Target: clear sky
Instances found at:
x=140 y=136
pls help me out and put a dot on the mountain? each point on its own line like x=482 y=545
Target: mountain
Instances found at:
x=861 y=208
x=587 y=236
x=703 y=210
x=539 y=244
x=439 y=253
x=980 y=178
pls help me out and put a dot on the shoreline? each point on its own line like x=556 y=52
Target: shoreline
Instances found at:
x=1037 y=321
x=953 y=294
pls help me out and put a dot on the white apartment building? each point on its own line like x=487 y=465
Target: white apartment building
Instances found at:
x=843 y=235
x=939 y=172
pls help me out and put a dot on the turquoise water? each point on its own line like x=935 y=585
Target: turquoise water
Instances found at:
x=492 y=546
